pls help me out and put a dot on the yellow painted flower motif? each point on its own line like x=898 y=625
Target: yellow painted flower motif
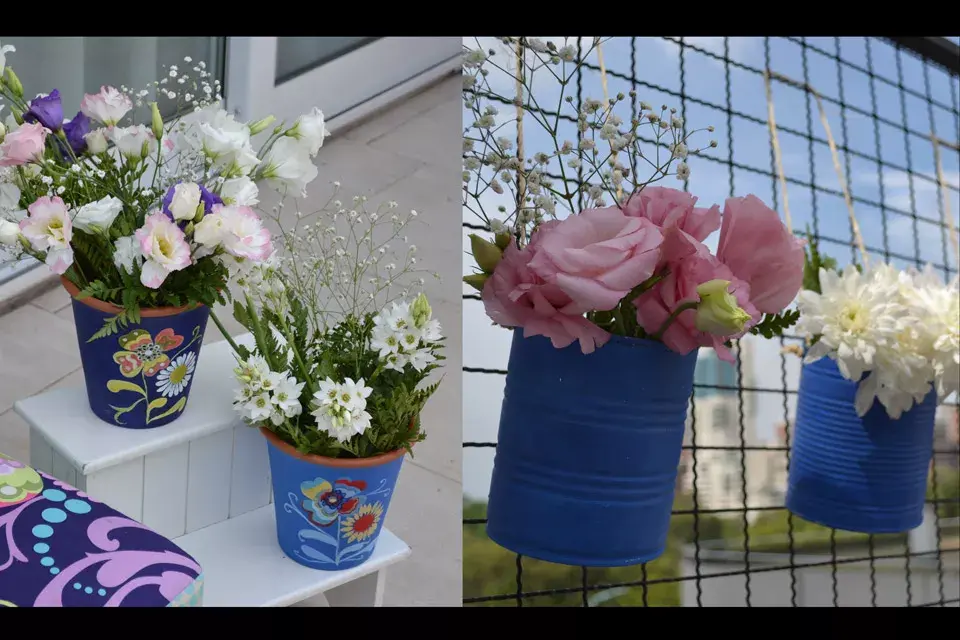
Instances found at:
x=17 y=481
x=362 y=524
x=142 y=353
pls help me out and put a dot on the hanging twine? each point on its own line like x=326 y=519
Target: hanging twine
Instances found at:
x=606 y=106
x=948 y=218
x=771 y=123
x=521 y=180
x=854 y=226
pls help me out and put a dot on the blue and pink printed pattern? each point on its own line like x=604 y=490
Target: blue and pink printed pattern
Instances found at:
x=61 y=548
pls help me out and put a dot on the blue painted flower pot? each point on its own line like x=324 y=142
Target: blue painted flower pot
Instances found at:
x=858 y=474
x=139 y=377
x=588 y=450
x=330 y=511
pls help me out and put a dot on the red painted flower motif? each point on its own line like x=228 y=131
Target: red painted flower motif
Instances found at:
x=325 y=503
x=141 y=353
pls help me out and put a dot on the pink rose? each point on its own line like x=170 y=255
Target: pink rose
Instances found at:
x=515 y=296
x=597 y=257
x=759 y=249
x=23 y=145
x=667 y=208
x=690 y=264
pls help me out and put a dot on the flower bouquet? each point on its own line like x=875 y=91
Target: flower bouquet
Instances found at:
x=883 y=351
x=145 y=224
x=609 y=306
x=337 y=376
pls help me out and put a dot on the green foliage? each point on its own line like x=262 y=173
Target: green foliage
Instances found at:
x=344 y=351
x=773 y=325
x=813 y=262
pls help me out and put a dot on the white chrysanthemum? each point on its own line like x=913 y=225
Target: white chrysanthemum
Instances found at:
x=855 y=315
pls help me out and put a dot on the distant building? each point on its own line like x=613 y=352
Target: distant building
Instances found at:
x=716 y=418
x=946 y=436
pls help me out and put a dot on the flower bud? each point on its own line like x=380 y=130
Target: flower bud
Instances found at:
x=261 y=125
x=719 y=313
x=9 y=232
x=503 y=240
x=13 y=82
x=201 y=211
x=476 y=280
x=3 y=132
x=421 y=311
x=486 y=253
x=96 y=141
x=156 y=122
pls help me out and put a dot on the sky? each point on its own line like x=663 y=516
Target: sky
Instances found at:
x=658 y=63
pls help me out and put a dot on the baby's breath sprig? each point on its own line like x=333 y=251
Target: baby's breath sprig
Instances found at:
x=655 y=143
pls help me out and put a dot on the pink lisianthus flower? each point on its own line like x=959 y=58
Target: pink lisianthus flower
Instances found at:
x=23 y=145
x=164 y=248
x=666 y=208
x=760 y=250
x=689 y=265
x=597 y=257
x=515 y=296
x=108 y=106
x=48 y=228
x=238 y=229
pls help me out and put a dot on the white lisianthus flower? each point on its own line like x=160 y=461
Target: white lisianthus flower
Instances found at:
x=127 y=255
x=9 y=233
x=310 y=130
x=108 y=106
x=240 y=191
x=185 y=200
x=96 y=141
x=288 y=165
x=134 y=142
x=99 y=215
x=4 y=50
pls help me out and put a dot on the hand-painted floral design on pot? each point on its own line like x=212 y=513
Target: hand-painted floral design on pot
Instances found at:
x=330 y=511
x=139 y=377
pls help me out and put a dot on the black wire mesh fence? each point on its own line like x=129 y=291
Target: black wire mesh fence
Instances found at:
x=893 y=107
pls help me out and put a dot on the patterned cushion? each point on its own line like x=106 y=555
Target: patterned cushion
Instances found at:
x=61 y=548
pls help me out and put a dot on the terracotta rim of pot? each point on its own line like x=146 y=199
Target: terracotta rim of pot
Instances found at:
x=108 y=307
x=373 y=461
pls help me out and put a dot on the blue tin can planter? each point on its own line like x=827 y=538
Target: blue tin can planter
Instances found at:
x=864 y=474
x=139 y=377
x=588 y=450
x=330 y=511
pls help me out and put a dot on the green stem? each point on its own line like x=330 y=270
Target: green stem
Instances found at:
x=673 y=316
x=223 y=331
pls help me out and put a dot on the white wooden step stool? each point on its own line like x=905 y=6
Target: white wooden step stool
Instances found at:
x=202 y=481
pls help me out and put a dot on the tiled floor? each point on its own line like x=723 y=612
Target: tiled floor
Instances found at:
x=406 y=153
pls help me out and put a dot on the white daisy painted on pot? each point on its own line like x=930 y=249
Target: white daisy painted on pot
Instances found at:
x=174 y=378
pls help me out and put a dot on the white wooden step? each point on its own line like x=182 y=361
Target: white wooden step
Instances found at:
x=243 y=566
x=201 y=469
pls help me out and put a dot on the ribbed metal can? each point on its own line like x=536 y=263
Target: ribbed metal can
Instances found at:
x=588 y=450
x=864 y=474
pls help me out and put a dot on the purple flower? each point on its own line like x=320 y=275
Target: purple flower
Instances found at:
x=47 y=111
x=208 y=198
x=75 y=130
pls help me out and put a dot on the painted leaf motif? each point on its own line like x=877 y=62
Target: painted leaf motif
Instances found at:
x=157 y=403
x=354 y=549
x=314 y=554
x=177 y=407
x=313 y=534
x=117 y=386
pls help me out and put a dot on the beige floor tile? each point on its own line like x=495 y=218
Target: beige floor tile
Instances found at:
x=435 y=136
x=53 y=300
x=426 y=513
x=14 y=436
x=394 y=117
x=36 y=349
